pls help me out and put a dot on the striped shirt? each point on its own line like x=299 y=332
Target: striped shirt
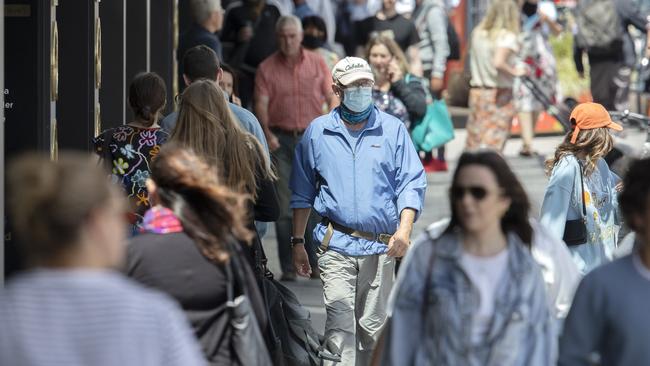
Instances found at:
x=91 y=317
x=296 y=94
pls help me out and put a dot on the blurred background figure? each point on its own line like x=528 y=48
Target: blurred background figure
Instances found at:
x=71 y=307
x=193 y=234
x=207 y=20
x=230 y=84
x=127 y=151
x=432 y=23
x=395 y=91
x=393 y=25
x=249 y=33
x=291 y=87
x=461 y=295
x=539 y=22
x=316 y=39
x=493 y=54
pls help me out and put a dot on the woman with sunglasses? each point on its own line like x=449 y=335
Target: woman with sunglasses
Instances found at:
x=473 y=295
x=580 y=204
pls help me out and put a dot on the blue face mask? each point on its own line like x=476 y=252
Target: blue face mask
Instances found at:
x=357 y=99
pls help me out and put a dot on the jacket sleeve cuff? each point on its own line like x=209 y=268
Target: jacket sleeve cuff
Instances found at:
x=409 y=200
x=300 y=202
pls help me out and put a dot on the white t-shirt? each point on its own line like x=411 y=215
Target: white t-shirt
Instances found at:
x=483 y=49
x=485 y=273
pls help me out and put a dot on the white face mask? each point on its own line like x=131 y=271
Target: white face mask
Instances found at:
x=357 y=99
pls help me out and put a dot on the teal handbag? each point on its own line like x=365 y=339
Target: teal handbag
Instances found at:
x=435 y=128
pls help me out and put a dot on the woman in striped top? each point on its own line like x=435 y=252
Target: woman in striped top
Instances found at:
x=71 y=307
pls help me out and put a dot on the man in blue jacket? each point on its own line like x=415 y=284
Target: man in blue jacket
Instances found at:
x=358 y=168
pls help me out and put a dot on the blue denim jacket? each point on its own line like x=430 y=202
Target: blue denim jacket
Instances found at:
x=562 y=202
x=521 y=333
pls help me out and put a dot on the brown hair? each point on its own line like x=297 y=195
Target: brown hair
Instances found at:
x=206 y=125
x=594 y=143
x=210 y=213
x=516 y=218
x=147 y=96
x=51 y=201
x=392 y=47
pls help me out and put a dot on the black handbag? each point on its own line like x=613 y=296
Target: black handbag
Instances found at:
x=575 y=231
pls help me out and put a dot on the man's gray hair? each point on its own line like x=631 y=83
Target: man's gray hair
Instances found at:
x=286 y=20
x=203 y=9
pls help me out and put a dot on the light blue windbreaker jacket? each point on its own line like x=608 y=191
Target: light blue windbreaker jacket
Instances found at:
x=562 y=202
x=363 y=186
x=522 y=332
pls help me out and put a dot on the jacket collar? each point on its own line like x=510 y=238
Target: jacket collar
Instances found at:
x=449 y=246
x=335 y=124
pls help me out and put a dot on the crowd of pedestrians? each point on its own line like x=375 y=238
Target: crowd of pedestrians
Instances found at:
x=278 y=123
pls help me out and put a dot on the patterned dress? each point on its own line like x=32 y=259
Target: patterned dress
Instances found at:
x=389 y=103
x=131 y=150
x=536 y=54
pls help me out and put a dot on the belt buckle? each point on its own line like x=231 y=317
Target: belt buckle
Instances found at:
x=384 y=238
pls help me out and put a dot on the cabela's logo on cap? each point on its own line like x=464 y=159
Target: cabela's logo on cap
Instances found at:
x=353 y=66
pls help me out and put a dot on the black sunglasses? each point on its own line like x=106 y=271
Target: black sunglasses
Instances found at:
x=478 y=193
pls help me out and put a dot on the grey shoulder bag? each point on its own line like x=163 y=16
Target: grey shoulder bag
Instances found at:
x=575 y=231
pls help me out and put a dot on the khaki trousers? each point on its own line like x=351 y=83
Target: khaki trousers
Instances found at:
x=356 y=293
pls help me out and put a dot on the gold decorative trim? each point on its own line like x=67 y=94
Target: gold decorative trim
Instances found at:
x=98 y=120
x=98 y=53
x=54 y=63
x=54 y=140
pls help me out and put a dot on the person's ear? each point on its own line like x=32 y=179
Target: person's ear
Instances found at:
x=337 y=91
x=187 y=80
x=219 y=75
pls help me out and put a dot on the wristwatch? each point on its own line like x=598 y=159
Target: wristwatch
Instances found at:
x=295 y=241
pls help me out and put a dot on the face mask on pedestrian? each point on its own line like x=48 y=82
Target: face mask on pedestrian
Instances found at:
x=357 y=99
x=312 y=42
x=357 y=104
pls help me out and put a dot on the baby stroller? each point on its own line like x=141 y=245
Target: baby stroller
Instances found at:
x=560 y=111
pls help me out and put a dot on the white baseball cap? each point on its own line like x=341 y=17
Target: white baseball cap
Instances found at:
x=351 y=69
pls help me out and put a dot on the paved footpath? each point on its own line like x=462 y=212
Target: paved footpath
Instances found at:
x=529 y=170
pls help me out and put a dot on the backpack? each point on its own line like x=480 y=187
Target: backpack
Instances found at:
x=599 y=26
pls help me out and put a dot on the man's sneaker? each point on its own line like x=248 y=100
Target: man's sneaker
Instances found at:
x=288 y=277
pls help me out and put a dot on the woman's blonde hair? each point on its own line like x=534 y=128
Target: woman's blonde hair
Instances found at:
x=207 y=126
x=502 y=15
x=594 y=144
x=392 y=47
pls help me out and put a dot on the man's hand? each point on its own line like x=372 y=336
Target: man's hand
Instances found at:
x=273 y=141
x=245 y=34
x=398 y=244
x=435 y=84
x=301 y=261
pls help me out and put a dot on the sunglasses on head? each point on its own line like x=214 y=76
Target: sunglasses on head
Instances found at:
x=458 y=192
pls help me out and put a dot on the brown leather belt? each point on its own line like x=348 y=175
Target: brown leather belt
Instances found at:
x=331 y=226
x=296 y=132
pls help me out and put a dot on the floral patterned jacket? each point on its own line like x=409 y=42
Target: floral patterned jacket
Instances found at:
x=131 y=151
